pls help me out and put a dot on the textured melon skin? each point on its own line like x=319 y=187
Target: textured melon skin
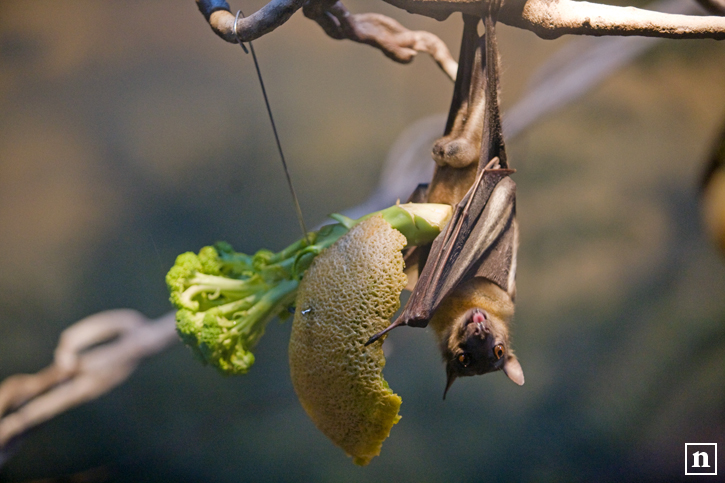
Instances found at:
x=349 y=293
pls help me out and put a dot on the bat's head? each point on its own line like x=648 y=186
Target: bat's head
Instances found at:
x=477 y=342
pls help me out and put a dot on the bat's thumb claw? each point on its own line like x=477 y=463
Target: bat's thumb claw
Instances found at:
x=381 y=333
x=373 y=339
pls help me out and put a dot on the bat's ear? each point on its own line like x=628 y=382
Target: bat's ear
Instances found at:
x=450 y=377
x=513 y=370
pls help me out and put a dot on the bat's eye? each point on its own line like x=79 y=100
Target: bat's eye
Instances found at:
x=464 y=359
x=498 y=351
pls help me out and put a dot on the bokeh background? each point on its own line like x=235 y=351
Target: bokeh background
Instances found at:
x=130 y=133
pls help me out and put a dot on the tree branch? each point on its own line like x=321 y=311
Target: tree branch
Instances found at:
x=550 y=19
x=93 y=356
x=379 y=31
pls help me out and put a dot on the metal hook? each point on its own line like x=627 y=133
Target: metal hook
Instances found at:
x=236 y=34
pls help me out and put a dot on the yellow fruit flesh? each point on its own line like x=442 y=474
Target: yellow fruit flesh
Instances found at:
x=347 y=295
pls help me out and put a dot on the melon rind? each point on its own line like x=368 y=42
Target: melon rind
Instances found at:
x=349 y=293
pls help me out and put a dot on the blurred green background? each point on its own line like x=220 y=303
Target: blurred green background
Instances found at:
x=130 y=133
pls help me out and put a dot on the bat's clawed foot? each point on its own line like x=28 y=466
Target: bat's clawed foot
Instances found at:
x=460 y=147
x=457 y=152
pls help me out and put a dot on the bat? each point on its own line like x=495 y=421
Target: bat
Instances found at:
x=466 y=287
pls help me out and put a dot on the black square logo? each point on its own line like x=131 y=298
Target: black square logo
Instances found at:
x=701 y=458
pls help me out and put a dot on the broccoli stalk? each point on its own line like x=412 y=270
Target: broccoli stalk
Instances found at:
x=225 y=299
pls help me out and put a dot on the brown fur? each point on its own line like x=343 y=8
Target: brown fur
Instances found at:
x=477 y=292
x=457 y=336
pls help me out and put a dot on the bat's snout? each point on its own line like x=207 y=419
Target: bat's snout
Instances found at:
x=477 y=323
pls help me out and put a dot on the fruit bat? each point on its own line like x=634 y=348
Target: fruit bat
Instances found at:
x=466 y=286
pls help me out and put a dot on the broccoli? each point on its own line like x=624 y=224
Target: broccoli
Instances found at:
x=225 y=299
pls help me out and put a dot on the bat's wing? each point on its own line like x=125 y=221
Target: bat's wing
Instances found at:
x=482 y=237
x=498 y=263
x=480 y=240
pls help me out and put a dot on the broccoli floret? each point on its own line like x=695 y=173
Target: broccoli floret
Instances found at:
x=186 y=266
x=221 y=317
x=188 y=326
x=211 y=263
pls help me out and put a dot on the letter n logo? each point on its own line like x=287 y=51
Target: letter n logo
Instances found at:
x=701 y=458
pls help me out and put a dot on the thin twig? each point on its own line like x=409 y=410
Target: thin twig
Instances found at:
x=382 y=32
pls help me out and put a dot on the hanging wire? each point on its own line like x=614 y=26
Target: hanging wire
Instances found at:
x=296 y=201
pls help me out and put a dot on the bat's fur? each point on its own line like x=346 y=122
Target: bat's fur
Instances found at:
x=450 y=185
x=456 y=334
x=457 y=153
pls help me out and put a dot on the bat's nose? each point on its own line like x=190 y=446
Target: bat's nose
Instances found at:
x=478 y=317
x=478 y=322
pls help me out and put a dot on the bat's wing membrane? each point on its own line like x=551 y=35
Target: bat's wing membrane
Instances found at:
x=476 y=242
x=498 y=262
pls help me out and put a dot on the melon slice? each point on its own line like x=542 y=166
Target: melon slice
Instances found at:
x=349 y=293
